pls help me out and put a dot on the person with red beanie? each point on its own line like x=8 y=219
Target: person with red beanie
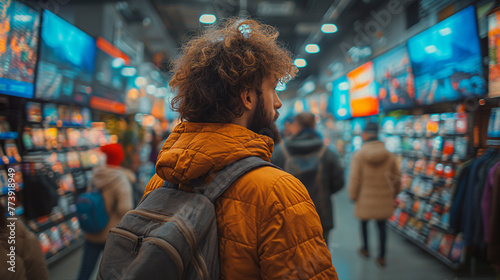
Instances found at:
x=114 y=183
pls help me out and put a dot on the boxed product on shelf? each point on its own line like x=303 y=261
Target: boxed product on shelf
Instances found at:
x=55 y=238
x=66 y=234
x=45 y=244
x=457 y=251
x=434 y=239
x=33 y=112
x=64 y=114
x=11 y=151
x=75 y=226
x=50 y=114
x=445 y=246
x=51 y=138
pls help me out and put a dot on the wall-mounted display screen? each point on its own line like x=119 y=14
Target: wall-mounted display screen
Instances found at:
x=66 y=65
x=109 y=82
x=494 y=50
x=446 y=60
x=363 y=91
x=340 y=105
x=19 y=27
x=394 y=77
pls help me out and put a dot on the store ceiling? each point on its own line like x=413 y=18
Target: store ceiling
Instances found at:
x=296 y=20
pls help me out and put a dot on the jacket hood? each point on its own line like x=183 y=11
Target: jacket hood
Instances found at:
x=105 y=175
x=194 y=150
x=305 y=142
x=374 y=152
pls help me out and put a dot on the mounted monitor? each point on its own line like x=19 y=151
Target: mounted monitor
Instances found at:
x=109 y=84
x=363 y=91
x=394 y=78
x=19 y=27
x=66 y=65
x=446 y=60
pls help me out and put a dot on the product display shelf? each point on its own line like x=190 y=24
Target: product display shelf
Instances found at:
x=41 y=227
x=425 y=247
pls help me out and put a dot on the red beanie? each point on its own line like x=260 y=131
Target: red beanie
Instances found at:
x=114 y=154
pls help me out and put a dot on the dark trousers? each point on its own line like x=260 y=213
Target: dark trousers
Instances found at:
x=91 y=253
x=381 y=234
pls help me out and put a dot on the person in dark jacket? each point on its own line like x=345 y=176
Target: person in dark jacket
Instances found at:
x=306 y=157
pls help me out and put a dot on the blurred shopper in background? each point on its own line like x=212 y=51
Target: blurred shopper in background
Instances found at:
x=27 y=261
x=374 y=182
x=114 y=183
x=266 y=222
x=306 y=157
x=289 y=128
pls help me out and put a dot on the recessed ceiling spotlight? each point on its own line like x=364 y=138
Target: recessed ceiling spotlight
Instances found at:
x=300 y=62
x=329 y=28
x=312 y=48
x=207 y=18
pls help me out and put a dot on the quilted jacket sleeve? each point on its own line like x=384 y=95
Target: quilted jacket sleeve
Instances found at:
x=291 y=244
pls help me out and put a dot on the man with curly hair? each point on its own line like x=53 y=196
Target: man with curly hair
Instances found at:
x=225 y=83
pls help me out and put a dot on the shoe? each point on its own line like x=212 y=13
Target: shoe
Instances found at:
x=381 y=262
x=364 y=253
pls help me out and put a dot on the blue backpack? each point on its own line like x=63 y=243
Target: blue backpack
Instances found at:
x=91 y=212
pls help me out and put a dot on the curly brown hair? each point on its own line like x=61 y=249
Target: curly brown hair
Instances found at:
x=216 y=66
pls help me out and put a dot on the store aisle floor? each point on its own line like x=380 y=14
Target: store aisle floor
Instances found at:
x=68 y=268
x=404 y=260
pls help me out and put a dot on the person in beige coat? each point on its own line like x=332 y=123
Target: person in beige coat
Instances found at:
x=114 y=183
x=26 y=261
x=374 y=182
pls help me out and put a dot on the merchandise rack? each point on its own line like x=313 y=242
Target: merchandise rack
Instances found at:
x=425 y=247
x=425 y=196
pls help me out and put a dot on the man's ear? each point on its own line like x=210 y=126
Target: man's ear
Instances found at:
x=249 y=99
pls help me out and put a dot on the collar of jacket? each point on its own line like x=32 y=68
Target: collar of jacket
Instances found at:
x=307 y=141
x=195 y=150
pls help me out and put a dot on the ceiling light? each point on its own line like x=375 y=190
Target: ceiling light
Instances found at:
x=128 y=71
x=300 y=62
x=207 y=18
x=312 y=48
x=329 y=28
x=140 y=81
x=117 y=62
x=151 y=89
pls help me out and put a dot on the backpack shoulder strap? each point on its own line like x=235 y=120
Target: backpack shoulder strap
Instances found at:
x=231 y=173
x=286 y=155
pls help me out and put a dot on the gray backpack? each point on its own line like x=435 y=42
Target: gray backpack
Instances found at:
x=172 y=234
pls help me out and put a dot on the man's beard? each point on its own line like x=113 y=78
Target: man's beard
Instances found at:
x=262 y=124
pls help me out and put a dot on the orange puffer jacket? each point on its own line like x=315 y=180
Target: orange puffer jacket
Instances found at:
x=267 y=224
